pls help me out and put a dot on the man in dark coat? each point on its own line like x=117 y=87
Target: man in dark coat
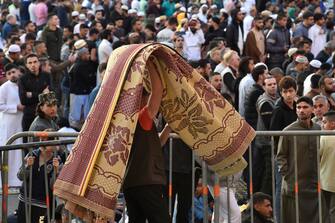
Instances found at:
x=259 y=74
x=52 y=36
x=278 y=42
x=234 y=32
x=262 y=209
x=31 y=84
x=283 y=115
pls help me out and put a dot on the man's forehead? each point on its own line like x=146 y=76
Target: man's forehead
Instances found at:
x=303 y=104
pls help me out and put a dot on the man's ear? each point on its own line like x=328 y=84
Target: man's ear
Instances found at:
x=256 y=206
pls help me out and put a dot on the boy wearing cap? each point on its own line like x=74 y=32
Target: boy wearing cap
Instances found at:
x=11 y=111
x=46 y=111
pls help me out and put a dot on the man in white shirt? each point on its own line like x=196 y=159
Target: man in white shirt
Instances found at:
x=194 y=38
x=247 y=21
x=11 y=112
x=317 y=34
x=105 y=48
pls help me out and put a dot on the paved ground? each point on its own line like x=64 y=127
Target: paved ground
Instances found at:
x=12 y=203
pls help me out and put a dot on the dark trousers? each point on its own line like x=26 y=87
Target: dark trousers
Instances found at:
x=263 y=169
x=328 y=209
x=181 y=186
x=146 y=203
x=36 y=213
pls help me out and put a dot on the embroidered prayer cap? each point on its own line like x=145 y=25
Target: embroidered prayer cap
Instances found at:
x=301 y=59
x=47 y=98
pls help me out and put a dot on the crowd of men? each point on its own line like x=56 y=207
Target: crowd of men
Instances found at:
x=272 y=60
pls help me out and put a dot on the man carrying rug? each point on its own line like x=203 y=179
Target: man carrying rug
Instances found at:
x=144 y=190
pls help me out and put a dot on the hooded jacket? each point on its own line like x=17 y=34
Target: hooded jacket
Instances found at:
x=282 y=116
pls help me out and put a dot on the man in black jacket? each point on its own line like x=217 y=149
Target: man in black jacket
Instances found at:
x=262 y=209
x=234 y=32
x=278 y=42
x=31 y=84
x=82 y=82
x=283 y=115
x=52 y=36
x=259 y=74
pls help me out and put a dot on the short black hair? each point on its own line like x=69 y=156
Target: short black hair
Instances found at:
x=105 y=33
x=38 y=42
x=257 y=71
x=315 y=80
x=259 y=197
x=281 y=16
x=172 y=21
x=150 y=27
x=93 y=31
x=305 y=99
x=216 y=20
x=203 y=63
x=329 y=114
x=30 y=36
x=258 y=17
x=51 y=15
x=307 y=14
x=83 y=26
x=27 y=23
x=133 y=22
x=118 y=44
x=10 y=66
x=318 y=16
x=29 y=56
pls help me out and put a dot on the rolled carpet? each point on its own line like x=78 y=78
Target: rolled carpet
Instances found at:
x=92 y=176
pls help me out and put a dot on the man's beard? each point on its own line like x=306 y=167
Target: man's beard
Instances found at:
x=13 y=80
x=329 y=91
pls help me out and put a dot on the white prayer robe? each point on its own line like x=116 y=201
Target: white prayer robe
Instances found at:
x=10 y=123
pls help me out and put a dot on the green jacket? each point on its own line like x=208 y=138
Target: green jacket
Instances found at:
x=306 y=160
